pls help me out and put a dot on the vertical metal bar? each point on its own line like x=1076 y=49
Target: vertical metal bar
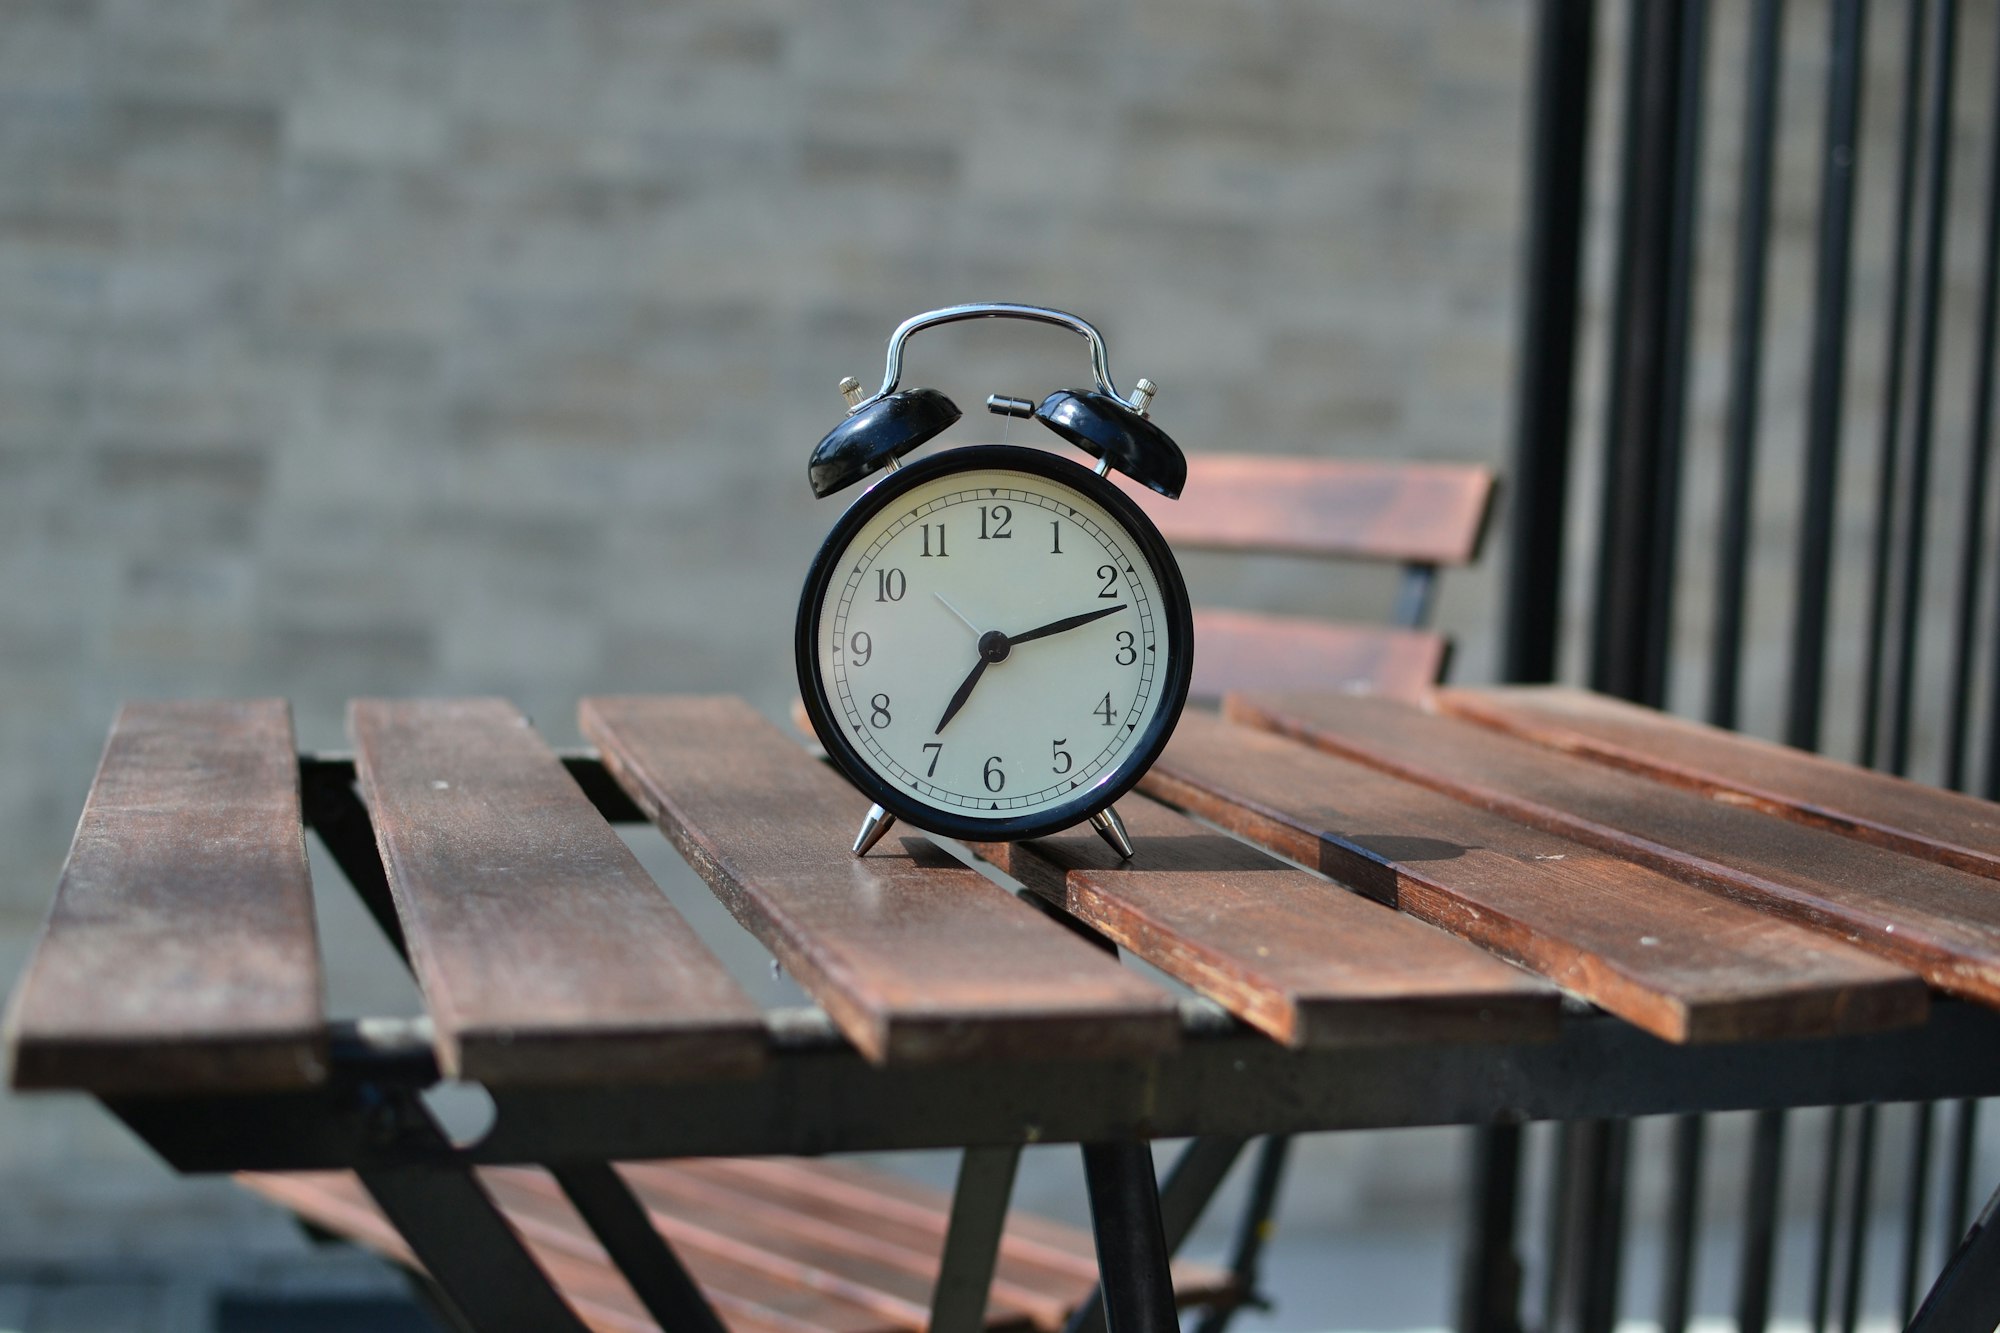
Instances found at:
x=1859 y=1202
x=1966 y=1296
x=1545 y=392
x=1678 y=318
x=1131 y=1244
x=1760 y=1222
x=641 y=1253
x=1916 y=494
x=1195 y=1176
x=1979 y=451
x=1638 y=515
x=1746 y=357
x=1964 y=1149
x=1556 y=1227
x=1683 y=1208
x=1829 y=1215
x=1889 y=453
x=1918 y=1204
x=1839 y=155
x=972 y=1240
x=1489 y=1283
x=1254 y=1230
x=1594 y=1240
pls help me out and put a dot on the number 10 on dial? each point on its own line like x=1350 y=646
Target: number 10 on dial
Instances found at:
x=994 y=643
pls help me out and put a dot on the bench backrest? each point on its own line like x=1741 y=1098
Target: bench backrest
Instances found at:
x=1423 y=516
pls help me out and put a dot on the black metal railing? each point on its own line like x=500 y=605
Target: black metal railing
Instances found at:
x=1637 y=573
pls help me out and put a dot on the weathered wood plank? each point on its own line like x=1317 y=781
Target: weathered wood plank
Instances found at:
x=1942 y=923
x=915 y=956
x=1243 y=650
x=1939 y=825
x=1681 y=963
x=1279 y=947
x=1428 y=513
x=180 y=953
x=545 y=952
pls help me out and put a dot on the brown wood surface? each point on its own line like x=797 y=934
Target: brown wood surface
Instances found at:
x=853 y=1244
x=180 y=954
x=545 y=952
x=1279 y=947
x=916 y=957
x=1034 y=1266
x=745 y=1230
x=1427 y=513
x=1246 y=650
x=746 y=1299
x=1033 y=1238
x=1682 y=963
x=1942 y=923
x=1910 y=817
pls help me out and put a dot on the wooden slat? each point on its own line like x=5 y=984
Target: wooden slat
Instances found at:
x=1940 y=922
x=545 y=952
x=180 y=953
x=916 y=957
x=1279 y=947
x=1911 y=817
x=1244 y=650
x=1427 y=513
x=1681 y=963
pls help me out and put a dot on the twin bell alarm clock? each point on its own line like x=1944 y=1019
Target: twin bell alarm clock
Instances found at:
x=994 y=642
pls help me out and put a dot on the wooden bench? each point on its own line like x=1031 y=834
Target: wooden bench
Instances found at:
x=1422 y=516
x=777 y=1244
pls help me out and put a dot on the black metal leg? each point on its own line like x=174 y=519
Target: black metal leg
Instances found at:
x=1253 y=1230
x=1192 y=1182
x=642 y=1254
x=1131 y=1242
x=484 y=1274
x=1489 y=1283
x=1966 y=1296
x=335 y=811
x=972 y=1243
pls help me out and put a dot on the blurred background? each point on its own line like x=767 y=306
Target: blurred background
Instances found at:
x=417 y=347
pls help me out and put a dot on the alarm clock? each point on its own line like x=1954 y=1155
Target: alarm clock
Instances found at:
x=994 y=642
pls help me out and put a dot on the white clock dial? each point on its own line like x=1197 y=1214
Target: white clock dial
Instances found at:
x=993 y=643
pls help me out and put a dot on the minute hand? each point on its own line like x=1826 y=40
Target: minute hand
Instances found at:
x=1066 y=623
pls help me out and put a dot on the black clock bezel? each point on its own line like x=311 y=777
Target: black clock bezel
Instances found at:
x=1174 y=680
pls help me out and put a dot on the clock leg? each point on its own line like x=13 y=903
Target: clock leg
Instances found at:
x=1112 y=829
x=872 y=828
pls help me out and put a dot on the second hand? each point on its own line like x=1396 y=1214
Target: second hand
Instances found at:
x=960 y=614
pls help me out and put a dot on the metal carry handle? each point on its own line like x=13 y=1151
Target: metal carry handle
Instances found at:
x=1100 y=362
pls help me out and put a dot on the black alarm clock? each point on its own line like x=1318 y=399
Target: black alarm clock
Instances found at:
x=994 y=642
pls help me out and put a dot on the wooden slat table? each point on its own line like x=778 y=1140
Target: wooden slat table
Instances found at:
x=1376 y=908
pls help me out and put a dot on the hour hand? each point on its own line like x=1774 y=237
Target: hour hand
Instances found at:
x=964 y=693
x=1066 y=623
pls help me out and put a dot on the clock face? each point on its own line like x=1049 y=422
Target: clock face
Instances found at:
x=997 y=641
